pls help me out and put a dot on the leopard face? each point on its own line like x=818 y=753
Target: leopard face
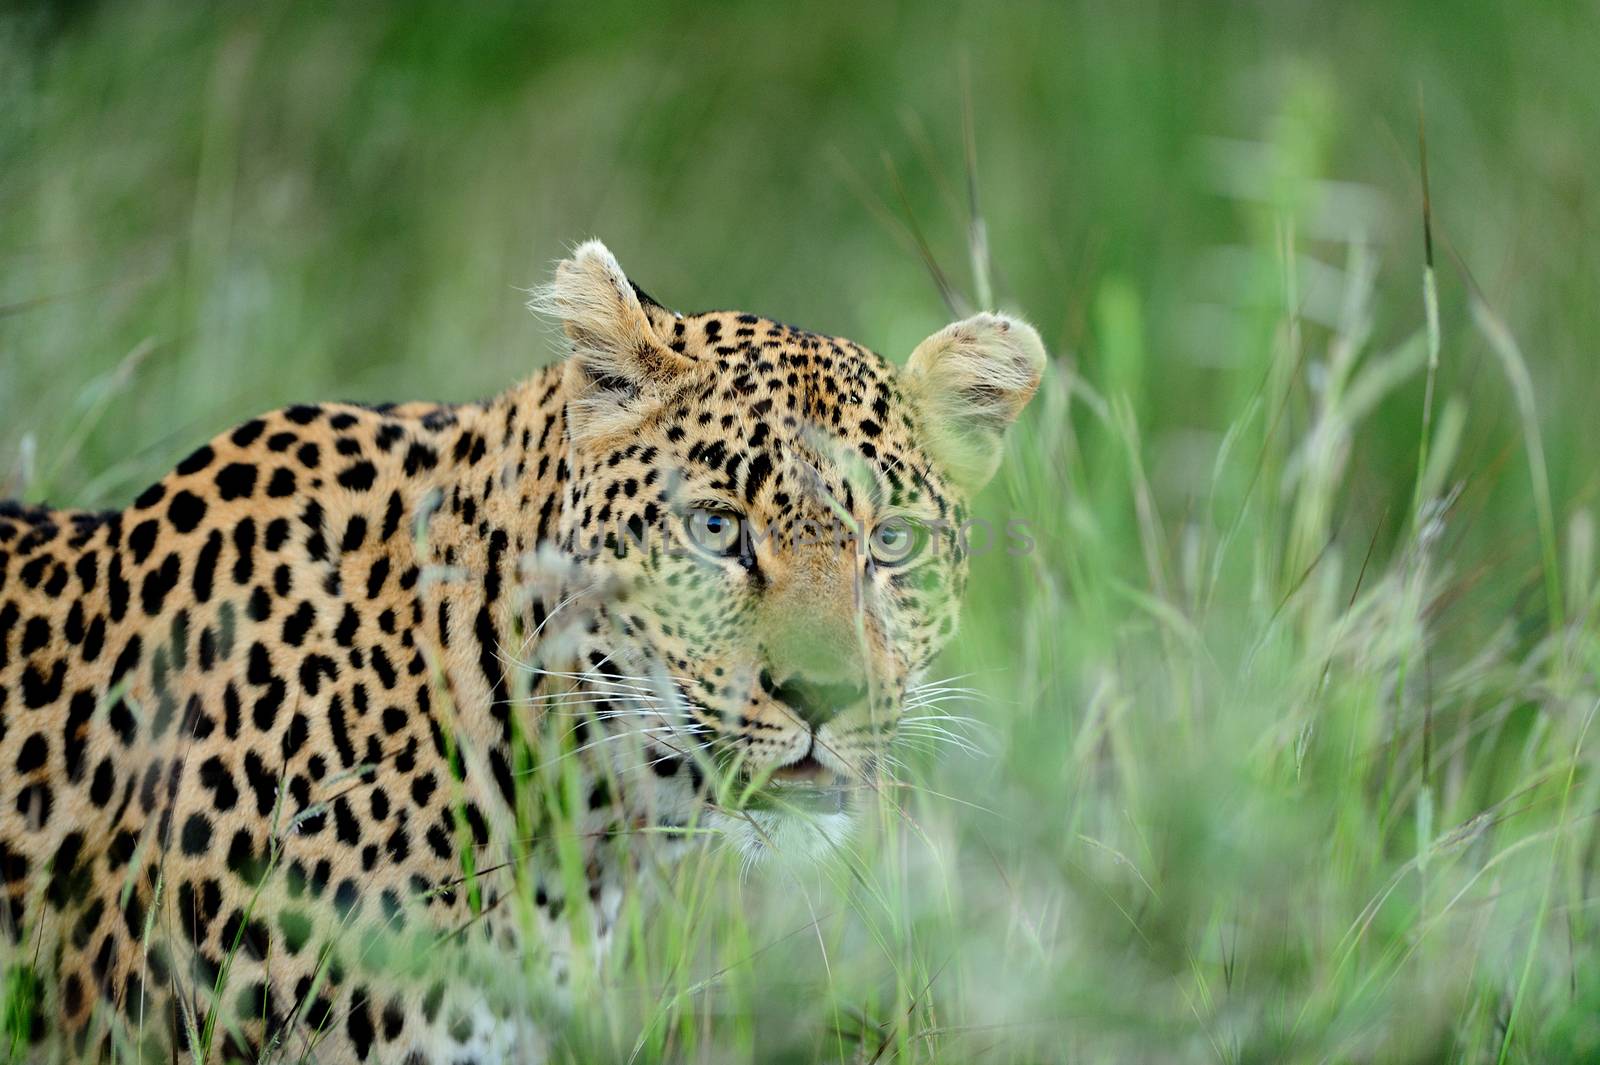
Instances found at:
x=780 y=515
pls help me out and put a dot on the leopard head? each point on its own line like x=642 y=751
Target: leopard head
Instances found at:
x=780 y=514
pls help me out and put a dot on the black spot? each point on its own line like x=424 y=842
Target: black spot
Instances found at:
x=39 y=690
x=215 y=778
x=237 y=480
x=346 y=897
x=296 y=625
x=265 y=711
x=35 y=749
x=384 y=668
x=439 y=840
x=313 y=669
x=102 y=964
x=231 y=710
x=260 y=668
x=143 y=539
x=244 y=543
x=295 y=738
x=186 y=511
x=126 y=660
x=344 y=822
x=341 y=735
x=489 y=663
x=302 y=414
x=247 y=433
x=68 y=879
x=33 y=573
x=253 y=1001
x=88 y=570
x=73 y=629
x=319 y=1013
x=94 y=639
x=157 y=583
x=359 y=1026
x=345 y=634
x=244 y=862
x=252 y=935
x=420 y=457
x=118 y=588
x=104 y=781
x=205 y=566
x=359 y=477
x=296 y=928
x=133 y=915
x=378 y=575
x=35 y=635
x=198 y=459
x=262 y=782
x=196 y=835
x=432 y=1001
x=120 y=852
x=355 y=534
x=399 y=842
x=760 y=469
x=498 y=543
x=122 y=722
x=281 y=484
x=150 y=496
x=76 y=733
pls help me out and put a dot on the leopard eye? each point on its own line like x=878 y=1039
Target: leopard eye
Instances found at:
x=716 y=531
x=895 y=542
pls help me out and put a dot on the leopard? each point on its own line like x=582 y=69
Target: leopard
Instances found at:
x=354 y=687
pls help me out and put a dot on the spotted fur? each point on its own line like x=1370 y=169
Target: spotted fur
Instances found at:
x=318 y=703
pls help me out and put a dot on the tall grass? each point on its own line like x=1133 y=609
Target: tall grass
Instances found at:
x=1276 y=745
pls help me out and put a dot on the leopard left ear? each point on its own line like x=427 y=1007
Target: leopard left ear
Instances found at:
x=620 y=366
x=971 y=380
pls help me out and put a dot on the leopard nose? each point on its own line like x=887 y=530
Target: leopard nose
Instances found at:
x=816 y=701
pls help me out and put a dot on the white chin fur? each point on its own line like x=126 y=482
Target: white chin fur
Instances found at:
x=784 y=836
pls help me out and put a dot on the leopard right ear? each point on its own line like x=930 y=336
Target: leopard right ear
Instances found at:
x=972 y=379
x=620 y=367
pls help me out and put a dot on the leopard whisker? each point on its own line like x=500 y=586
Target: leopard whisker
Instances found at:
x=591 y=699
x=956 y=721
x=926 y=689
x=931 y=698
x=933 y=744
x=609 y=737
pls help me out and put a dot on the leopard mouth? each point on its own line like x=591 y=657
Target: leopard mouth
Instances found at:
x=805 y=771
x=804 y=785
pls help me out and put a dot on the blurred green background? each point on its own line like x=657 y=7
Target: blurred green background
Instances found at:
x=1283 y=757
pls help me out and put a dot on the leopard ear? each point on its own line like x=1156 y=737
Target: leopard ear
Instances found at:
x=971 y=380
x=620 y=366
